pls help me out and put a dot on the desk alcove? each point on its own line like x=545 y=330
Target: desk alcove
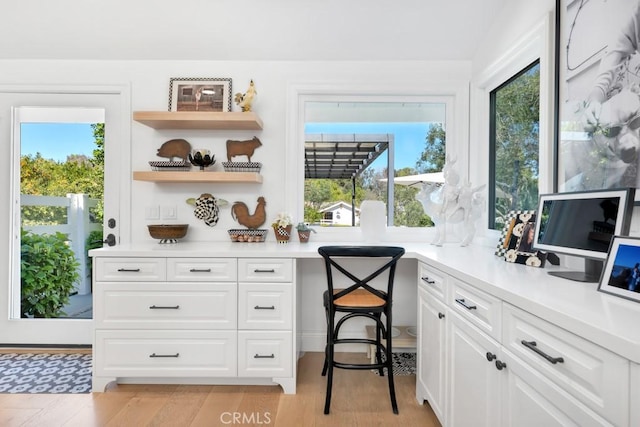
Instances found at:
x=474 y=313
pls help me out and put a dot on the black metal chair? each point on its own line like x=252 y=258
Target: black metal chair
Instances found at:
x=359 y=299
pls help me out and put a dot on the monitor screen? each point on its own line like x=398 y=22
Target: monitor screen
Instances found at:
x=582 y=223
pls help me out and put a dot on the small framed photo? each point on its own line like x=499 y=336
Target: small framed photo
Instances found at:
x=516 y=241
x=200 y=94
x=621 y=273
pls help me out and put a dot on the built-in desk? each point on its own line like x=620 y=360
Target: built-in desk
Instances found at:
x=511 y=300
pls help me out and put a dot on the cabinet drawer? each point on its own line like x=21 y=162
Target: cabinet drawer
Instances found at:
x=165 y=306
x=432 y=280
x=592 y=374
x=265 y=306
x=165 y=353
x=480 y=308
x=130 y=269
x=265 y=354
x=202 y=269
x=265 y=270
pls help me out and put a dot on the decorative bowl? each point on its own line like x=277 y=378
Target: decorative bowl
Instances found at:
x=168 y=233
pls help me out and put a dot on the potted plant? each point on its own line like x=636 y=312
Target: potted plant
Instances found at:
x=282 y=227
x=304 y=232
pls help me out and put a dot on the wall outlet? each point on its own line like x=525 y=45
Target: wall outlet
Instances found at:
x=169 y=212
x=152 y=212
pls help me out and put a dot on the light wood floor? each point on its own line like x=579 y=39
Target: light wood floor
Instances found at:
x=360 y=398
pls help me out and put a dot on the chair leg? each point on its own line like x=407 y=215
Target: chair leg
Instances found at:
x=389 y=361
x=379 y=345
x=329 y=366
x=326 y=347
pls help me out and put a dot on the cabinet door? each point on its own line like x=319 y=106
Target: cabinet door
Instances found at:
x=531 y=399
x=474 y=380
x=432 y=352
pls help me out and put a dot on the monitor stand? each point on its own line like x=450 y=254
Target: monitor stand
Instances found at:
x=591 y=274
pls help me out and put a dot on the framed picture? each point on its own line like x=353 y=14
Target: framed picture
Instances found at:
x=621 y=273
x=516 y=241
x=597 y=91
x=199 y=94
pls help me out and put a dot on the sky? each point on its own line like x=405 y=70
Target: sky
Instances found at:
x=57 y=140
x=409 y=138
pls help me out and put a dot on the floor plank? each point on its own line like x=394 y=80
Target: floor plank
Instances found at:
x=359 y=398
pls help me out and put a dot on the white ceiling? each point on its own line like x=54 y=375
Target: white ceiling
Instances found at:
x=245 y=29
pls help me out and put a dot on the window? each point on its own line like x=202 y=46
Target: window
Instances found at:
x=514 y=145
x=357 y=151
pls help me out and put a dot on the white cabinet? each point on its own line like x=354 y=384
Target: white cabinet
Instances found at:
x=579 y=378
x=265 y=318
x=431 y=340
x=634 y=379
x=158 y=319
x=531 y=399
x=505 y=366
x=474 y=377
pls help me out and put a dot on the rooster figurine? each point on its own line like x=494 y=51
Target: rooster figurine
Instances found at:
x=244 y=100
x=240 y=212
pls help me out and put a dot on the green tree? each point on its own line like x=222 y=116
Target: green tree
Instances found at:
x=433 y=157
x=517 y=107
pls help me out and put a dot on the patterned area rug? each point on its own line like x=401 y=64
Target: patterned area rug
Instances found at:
x=403 y=364
x=45 y=373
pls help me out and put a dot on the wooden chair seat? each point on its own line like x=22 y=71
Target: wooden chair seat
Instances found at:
x=358 y=298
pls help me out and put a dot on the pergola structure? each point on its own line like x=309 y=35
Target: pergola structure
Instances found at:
x=342 y=156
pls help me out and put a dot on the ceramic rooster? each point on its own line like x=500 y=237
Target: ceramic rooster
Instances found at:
x=240 y=212
x=244 y=100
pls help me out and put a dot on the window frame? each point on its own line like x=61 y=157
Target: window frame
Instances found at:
x=454 y=93
x=535 y=44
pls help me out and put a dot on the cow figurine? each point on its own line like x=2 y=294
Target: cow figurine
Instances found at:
x=242 y=148
x=175 y=148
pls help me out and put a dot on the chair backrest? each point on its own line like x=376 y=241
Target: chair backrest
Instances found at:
x=336 y=256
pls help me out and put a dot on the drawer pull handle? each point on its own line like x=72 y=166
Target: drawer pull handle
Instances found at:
x=129 y=270
x=440 y=315
x=264 y=270
x=153 y=355
x=200 y=270
x=257 y=307
x=164 y=307
x=259 y=356
x=463 y=303
x=427 y=280
x=500 y=365
x=532 y=345
x=491 y=356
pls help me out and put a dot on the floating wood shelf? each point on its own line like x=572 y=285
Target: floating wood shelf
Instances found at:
x=198 y=176
x=198 y=120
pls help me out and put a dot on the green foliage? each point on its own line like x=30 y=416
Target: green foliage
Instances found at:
x=434 y=155
x=48 y=271
x=47 y=177
x=93 y=241
x=517 y=106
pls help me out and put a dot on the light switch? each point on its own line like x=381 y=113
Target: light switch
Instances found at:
x=169 y=212
x=152 y=212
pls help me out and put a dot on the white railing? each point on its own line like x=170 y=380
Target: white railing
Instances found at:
x=77 y=228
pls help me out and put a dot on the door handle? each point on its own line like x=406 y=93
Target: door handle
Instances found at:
x=463 y=303
x=532 y=345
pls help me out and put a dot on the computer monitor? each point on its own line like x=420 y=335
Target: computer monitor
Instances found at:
x=582 y=224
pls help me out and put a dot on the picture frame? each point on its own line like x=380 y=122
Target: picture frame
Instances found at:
x=618 y=277
x=596 y=89
x=200 y=94
x=516 y=240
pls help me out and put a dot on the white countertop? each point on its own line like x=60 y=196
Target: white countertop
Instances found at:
x=604 y=319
